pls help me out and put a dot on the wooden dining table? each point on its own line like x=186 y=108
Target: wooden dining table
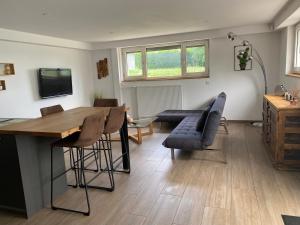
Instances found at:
x=25 y=157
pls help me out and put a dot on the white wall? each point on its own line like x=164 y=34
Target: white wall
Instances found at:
x=21 y=99
x=104 y=86
x=244 y=89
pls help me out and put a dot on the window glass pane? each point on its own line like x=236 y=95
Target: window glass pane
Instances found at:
x=134 y=64
x=297 y=61
x=195 y=59
x=164 y=62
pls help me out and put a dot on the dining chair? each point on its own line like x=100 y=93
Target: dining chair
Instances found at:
x=50 y=110
x=91 y=131
x=106 y=102
x=114 y=123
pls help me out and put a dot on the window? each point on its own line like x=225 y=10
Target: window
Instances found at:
x=172 y=61
x=297 y=50
x=134 y=64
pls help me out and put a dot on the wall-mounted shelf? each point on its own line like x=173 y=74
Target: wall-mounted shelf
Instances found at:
x=2 y=85
x=7 y=69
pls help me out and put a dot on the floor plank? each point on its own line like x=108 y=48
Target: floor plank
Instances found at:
x=197 y=188
x=270 y=200
x=191 y=207
x=244 y=208
x=215 y=216
x=164 y=210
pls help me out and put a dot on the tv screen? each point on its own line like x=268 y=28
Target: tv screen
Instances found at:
x=54 y=82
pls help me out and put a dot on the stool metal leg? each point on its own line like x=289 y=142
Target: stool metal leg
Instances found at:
x=108 y=169
x=51 y=165
x=118 y=158
x=72 y=159
x=110 y=161
x=103 y=146
x=99 y=155
x=84 y=181
x=80 y=167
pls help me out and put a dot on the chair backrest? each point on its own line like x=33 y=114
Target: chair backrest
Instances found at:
x=105 y=102
x=51 y=110
x=91 y=130
x=115 y=119
x=213 y=120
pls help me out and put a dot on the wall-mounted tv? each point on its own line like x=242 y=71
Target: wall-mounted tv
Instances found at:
x=54 y=82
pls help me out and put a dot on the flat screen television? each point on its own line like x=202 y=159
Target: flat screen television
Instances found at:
x=54 y=82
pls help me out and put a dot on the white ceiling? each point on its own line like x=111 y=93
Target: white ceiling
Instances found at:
x=107 y=20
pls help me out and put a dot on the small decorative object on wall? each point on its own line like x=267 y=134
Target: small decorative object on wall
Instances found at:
x=2 y=85
x=7 y=69
x=242 y=58
x=102 y=68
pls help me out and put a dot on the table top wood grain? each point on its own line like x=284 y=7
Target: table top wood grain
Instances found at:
x=281 y=104
x=57 y=125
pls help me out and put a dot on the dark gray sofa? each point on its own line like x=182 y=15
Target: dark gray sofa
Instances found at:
x=197 y=130
x=176 y=116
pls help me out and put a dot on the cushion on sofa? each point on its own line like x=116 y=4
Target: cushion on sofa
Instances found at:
x=185 y=135
x=211 y=102
x=176 y=116
x=213 y=120
x=201 y=123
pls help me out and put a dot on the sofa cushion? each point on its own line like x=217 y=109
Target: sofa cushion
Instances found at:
x=213 y=120
x=176 y=116
x=185 y=135
x=201 y=123
x=211 y=102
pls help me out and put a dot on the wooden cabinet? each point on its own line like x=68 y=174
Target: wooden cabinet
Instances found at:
x=281 y=131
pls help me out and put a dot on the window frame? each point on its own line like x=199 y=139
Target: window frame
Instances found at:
x=184 y=73
x=296 y=67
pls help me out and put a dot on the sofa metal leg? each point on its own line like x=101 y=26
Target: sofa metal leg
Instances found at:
x=226 y=129
x=224 y=123
x=172 y=154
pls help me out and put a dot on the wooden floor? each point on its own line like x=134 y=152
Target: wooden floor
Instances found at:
x=187 y=191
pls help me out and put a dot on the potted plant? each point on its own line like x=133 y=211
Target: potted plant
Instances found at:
x=244 y=58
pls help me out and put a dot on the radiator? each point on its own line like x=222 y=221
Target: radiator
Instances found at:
x=155 y=99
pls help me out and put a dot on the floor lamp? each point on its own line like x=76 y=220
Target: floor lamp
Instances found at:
x=232 y=36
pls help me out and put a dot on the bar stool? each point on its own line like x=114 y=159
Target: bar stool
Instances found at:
x=106 y=102
x=91 y=132
x=46 y=111
x=50 y=110
x=113 y=124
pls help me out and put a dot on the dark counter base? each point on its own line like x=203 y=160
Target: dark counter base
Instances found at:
x=25 y=173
